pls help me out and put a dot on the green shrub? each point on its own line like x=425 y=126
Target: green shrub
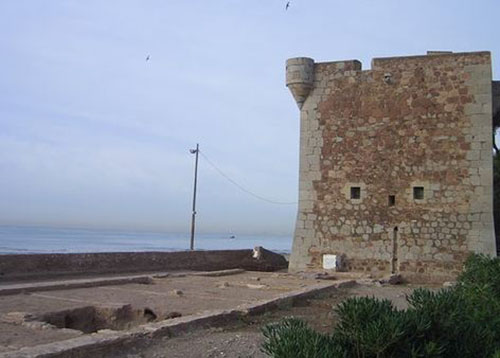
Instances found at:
x=461 y=328
x=481 y=274
x=368 y=325
x=293 y=338
x=463 y=321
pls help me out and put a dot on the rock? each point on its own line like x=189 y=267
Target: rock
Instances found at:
x=177 y=292
x=173 y=315
x=264 y=260
x=448 y=284
x=327 y=277
x=394 y=279
x=316 y=276
x=13 y=317
x=258 y=287
x=106 y=331
x=367 y=281
x=223 y=285
x=39 y=325
x=257 y=252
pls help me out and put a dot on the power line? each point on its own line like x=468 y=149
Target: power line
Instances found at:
x=242 y=188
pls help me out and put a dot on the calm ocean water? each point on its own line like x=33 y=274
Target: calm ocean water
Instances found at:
x=23 y=240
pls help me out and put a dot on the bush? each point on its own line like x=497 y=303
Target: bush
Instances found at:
x=456 y=324
x=369 y=327
x=463 y=321
x=481 y=274
x=293 y=338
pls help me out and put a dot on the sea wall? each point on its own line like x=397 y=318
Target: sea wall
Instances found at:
x=22 y=267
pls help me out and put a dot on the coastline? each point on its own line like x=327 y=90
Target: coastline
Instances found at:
x=43 y=240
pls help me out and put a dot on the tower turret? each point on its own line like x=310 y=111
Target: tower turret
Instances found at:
x=300 y=78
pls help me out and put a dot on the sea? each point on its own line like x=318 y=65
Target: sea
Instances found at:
x=43 y=240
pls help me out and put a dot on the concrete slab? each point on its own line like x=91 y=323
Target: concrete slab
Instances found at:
x=13 y=288
x=145 y=278
x=11 y=333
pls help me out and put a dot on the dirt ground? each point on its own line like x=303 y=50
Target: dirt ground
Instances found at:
x=163 y=298
x=244 y=339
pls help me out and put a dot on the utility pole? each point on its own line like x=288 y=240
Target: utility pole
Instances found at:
x=194 y=151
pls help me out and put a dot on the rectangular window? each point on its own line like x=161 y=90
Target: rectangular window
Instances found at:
x=418 y=192
x=355 y=192
x=392 y=200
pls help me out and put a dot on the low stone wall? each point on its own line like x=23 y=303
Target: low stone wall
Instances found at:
x=20 y=267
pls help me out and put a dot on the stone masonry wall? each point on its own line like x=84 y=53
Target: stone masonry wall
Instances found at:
x=422 y=121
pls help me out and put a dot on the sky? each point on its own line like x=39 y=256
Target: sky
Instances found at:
x=94 y=136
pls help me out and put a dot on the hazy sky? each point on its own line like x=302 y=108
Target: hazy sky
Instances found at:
x=93 y=135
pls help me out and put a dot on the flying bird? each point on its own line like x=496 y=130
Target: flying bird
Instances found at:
x=147 y=58
x=287 y=5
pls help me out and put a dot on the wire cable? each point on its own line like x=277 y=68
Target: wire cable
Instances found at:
x=242 y=188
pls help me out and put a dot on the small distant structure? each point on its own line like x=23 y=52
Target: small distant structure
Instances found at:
x=395 y=163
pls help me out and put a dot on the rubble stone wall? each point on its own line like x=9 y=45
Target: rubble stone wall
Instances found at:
x=421 y=123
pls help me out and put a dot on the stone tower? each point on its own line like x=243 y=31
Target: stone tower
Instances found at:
x=395 y=164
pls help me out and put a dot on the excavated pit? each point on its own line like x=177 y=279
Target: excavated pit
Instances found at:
x=91 y=319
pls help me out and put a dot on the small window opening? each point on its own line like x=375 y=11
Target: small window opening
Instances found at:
x=418 y=192
x=355 y=192
x=392 y=200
